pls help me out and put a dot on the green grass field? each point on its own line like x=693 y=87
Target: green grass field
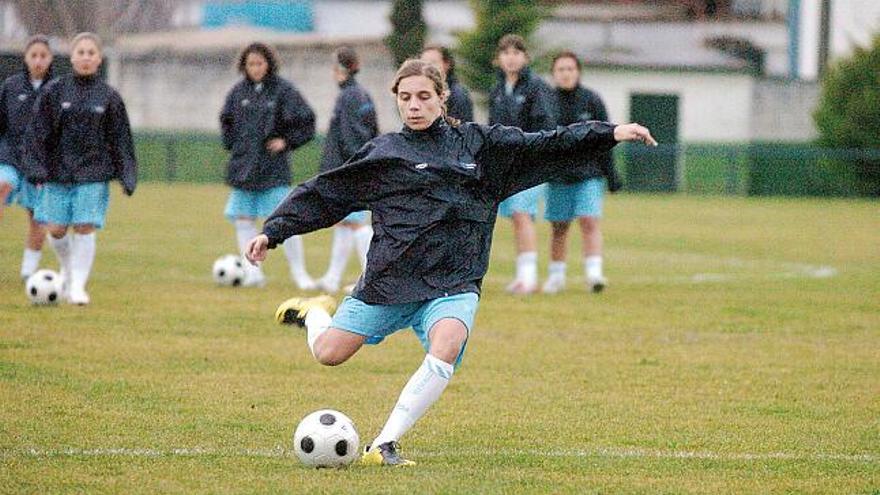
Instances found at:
x=736 y=351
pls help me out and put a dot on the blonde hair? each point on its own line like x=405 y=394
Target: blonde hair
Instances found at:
x=417 y=67
x=87 y=36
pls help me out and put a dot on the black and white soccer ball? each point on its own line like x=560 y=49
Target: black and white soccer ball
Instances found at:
x=44 y=287
x=228 y=270
x=326 y=438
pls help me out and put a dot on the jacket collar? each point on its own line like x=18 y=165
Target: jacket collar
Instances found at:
x=348 y=82
x=436 y=128
x=524 y=75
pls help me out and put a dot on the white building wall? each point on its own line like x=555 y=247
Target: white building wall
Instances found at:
x=713 y=107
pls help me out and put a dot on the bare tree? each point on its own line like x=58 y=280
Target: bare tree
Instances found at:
x=108 y=18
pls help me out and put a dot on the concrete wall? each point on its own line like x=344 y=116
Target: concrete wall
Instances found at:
x=783 y=110
x=713 y=107
x=167 y=90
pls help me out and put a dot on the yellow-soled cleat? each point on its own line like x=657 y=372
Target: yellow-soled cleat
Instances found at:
x=386 y=454
x=293 y=311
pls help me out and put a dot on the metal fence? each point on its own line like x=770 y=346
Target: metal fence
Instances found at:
x=797 y=169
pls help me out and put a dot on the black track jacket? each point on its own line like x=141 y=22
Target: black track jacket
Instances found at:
x=434 y=196
x=577 y=105
x=17 y=97
x=80 y=133
x=254 y=114
x=459 y=104
x=352 y=125
x=530 y=107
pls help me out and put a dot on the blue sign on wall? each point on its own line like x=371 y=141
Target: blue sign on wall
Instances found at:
x=281 y=15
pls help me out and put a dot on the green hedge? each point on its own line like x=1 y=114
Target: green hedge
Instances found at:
x=797 y=169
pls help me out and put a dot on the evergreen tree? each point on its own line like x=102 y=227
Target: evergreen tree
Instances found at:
x=407 y=30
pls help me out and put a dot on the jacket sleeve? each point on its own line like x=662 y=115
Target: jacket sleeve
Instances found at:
x=514 y=160
x=357 y=124
x=296 y=119
x=41 y=136
x=467 y=106
x=542 y=112
x=227 y=121
x=326 y=199
x=606 y=160
x=118 y=132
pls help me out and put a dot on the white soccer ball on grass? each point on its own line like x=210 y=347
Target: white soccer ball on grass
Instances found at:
x=326 y=438
x=228 y=270
x=44 y=287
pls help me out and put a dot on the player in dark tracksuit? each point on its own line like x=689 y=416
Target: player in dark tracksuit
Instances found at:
x=579 y=193
x=458 y=103
x=523 y=100
x=263 y=120
x=352 y=125
x=17 y=96
x=434 y=190
x=78 y=141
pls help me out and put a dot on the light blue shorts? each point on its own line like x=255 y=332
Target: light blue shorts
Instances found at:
x=376 y=321
x=565 y=202
x=254 y=204
x=10 y=175
x=29 y=195
x=73 y=204
x=356 y=217
x=522 y=202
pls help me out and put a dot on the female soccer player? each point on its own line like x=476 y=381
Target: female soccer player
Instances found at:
x=522 y=100
x=263 y=120
x=17 y=96
x=458 y=103
x=352 y=125
x=579 y=192
x=433 y=189
x=79 y=140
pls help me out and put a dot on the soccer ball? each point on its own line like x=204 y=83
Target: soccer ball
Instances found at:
x=228 y=270
x=44 y=287
x=326 y=438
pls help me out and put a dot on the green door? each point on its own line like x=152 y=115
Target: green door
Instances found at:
x=648 y=168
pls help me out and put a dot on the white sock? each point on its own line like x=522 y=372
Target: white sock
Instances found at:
x=296 y=257
x=593 y=266
x=62 y=252
x=556 y=269
x=342 y=243
x=317 y=322
x=362 y=237
x=527 y=267
x=422 y=390
x=30 y=261
x=245 y=230
x=82 y=255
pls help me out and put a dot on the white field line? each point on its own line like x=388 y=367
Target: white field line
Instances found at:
x=598 y=452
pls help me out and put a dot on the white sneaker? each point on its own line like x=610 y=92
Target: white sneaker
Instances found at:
x=327 y=285
x=597 y=284
x=521 y=287
x=304 y=282
x=553 y=285
x=78 y=296
x=254 y=279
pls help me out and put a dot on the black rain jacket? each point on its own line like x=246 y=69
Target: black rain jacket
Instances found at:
x=80 y=133
x=352 y=125
x=255 y=113
x=459 y=104
x=530 y=107
x=17 y=97
x=577 y=105
x=434 y=197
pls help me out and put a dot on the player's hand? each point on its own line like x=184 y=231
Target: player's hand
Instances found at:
x=634 y=132
x=276 y=145
x=257 y=249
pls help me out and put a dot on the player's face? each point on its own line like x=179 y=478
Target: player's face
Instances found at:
x=256 y=66
x=512 y=60
x=38 y=58
x=418 y=102
x=565 y=73
x=86 y=57
x=435 y=58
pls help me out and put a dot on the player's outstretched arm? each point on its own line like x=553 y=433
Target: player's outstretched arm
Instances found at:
x=257 y=249
x=634 y=132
